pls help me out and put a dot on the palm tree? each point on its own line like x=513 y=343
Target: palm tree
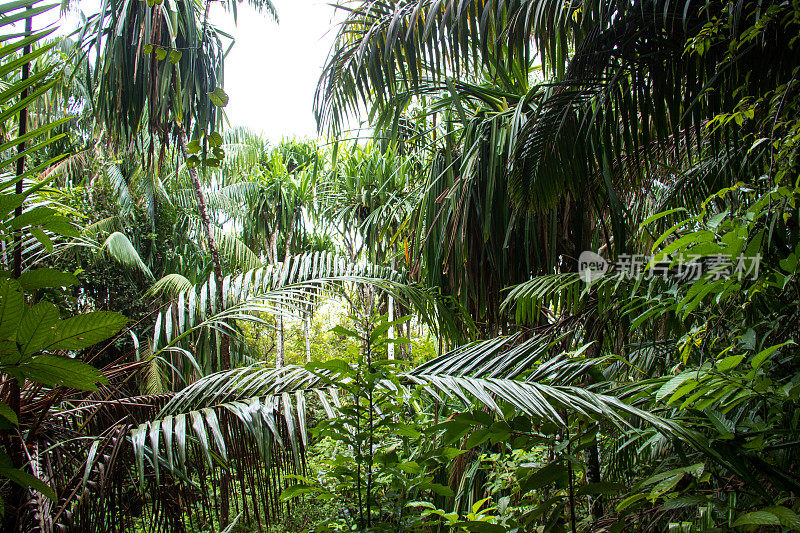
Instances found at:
x=540 y=103
x=276 y=190
x=519 y=112
x=138 y=86
x=367 y=196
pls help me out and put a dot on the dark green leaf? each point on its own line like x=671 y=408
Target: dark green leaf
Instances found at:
x=42 y=278
x=86 y=330
x=57 y=370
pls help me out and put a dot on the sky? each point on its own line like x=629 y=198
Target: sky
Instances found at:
x=272 y=70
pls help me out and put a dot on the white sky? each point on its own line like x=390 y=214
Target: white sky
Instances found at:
x=272 y=70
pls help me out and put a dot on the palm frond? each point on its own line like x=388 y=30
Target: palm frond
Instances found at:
x=170 y=285
x=119 y=247
x=283 y=288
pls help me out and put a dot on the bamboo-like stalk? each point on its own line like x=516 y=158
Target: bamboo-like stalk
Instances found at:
x=14 y=398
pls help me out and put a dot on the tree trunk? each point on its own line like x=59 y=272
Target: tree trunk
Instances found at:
x=307 y=334
x=390 y=348
x=591 y=454
x=409 y=347
x=13 y=443
x=216 y=260
x=279 y=357
x=224 y=345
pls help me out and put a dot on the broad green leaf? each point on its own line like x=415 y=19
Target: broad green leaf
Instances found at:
x=7 y=413
x=630 y=500
x=62 y=226
x=218 y=97
x=411 y=467
x=543 y=476
x=43 y=278
x=12 y=308
x=672 y=385
x=757 y=518
x=500 y=431
x=685 y=388
x=424 y=505
x=692 y=500
x=438 y=488
x=215 y=140
x=42 y=237
x=57 y=370
x=405 y=430
x=729 y=363
x=761 y=357
x=32 y=217
x=9 y=202
x=26 y=480
x=296 y=491
x=193 y=147
x=86 y=330
x=787 y=517
x=36 y=328
x=660 y=215
x=666 y=485
x=477 y=505
x=477 y=438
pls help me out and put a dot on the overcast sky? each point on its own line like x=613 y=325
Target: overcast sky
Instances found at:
x=272 y=70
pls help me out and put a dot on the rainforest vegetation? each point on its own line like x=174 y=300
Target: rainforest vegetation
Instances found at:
x=552 y=285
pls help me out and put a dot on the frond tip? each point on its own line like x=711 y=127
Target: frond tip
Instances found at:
x=119 y=247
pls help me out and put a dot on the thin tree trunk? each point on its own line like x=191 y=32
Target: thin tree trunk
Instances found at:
x=216 y=260
x=591 y=457
x=593 y=332
x=409 y=350
x=571 y=476
x=213 y=250
x=279 y=357
x=390 y=348
x=591 y=454
x=307 y=334
x=13 y=443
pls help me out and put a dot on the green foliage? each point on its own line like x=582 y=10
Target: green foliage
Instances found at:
x=36 y=344
x=379 y=461
x=509 y=138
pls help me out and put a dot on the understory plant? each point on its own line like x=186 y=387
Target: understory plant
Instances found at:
x=375 y=456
